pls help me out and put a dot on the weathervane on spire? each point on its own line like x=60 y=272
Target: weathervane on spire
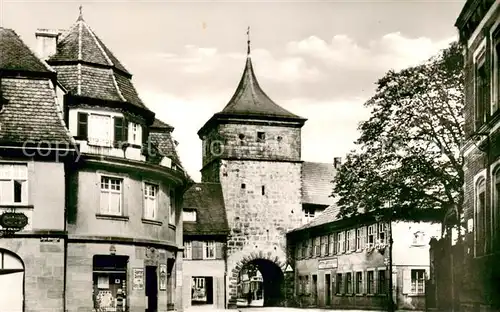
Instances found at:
x=248 y=41
x=80 y=17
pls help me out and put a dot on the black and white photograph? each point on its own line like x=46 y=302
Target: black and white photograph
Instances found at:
x=253 y=156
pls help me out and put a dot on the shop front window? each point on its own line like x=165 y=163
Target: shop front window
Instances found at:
x=110 y=282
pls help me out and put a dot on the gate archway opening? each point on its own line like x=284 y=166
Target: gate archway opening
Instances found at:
x=11 y=281
x=260 y=283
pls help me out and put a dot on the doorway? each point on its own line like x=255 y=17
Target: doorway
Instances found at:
x=11 y=282
x=315 y=289
x=151 y=289
x=328 y=288
x=202 y=290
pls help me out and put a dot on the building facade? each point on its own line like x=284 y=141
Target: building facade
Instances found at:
x=344 y=263
x=111 y=210
x=252 y=148
x=34 y=146
x=475 y=273
x=205 y=236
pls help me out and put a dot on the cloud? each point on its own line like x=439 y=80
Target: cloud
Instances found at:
x=327 y=83
x=391 y=51
x=206 y=61
x=329 y=131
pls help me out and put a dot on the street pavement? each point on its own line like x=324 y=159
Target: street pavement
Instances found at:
x=271 y=309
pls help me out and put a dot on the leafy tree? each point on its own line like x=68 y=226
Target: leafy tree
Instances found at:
x=408 y=152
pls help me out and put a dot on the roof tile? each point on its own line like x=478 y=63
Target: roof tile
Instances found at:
x=249 y=99
x=30 y=113
x=208 y=201
x=317 y=183
x=15 y=55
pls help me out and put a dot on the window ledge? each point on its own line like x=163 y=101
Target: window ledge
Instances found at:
x=370 y=295
x=349 y=295
x=171 y=226
x=416 y=295
x=16 y=206
x=359 y=295
x=152 y=222
x=111 y=217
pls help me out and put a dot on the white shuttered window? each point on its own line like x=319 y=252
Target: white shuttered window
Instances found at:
x=111 y=196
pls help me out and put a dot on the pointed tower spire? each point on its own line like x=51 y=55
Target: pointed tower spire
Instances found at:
x=80 y=17
x=248 y=41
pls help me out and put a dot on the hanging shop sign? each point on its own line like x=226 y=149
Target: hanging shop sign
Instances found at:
x=14 y=221
x=138 y=279
x=163 y=277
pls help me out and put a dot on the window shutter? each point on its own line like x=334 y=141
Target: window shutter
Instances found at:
x=125 y=130
x=118 y=136
x=219 y=250
x=82 y=127
x=406 y=281
x=197 y=250
x=145 y=135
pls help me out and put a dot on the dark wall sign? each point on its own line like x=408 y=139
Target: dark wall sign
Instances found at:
x=13 y=220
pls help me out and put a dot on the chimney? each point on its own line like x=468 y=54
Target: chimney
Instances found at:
x=46 y=42
x=337 y=162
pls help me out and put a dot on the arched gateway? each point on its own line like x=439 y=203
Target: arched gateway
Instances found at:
x=11 y=282
x=257 y=280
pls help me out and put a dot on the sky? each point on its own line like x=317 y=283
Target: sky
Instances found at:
x=317 y=59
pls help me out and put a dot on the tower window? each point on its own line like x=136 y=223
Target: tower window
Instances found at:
x=261 y=136
x=279 y=138
x=241 y=136
x=263 y=190
x=243 y=186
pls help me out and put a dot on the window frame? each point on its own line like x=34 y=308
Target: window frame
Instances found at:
x=495 y=74
x=382 y=289
x=206 y=245
x=479 y=60
x=480 y=229
x=135 y=129
x=25 y=197
x=111 y=131
x=188 y=250
x=341 y=242
x=121 y=197
x=418 y=282
x=370 y=286
x=350 y=240
x=156 y=188
x=171 y=206
x=374 y=228
x=348 y=283
x=495 y=201
x=358 y=283
x=339 y=283
x=360 y=238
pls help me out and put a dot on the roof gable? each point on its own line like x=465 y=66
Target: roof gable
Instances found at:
x=17 y=56
x=81 y=44
x=208 y=201
x=30 y=113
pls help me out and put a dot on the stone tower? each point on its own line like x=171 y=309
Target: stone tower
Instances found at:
x=253 y=149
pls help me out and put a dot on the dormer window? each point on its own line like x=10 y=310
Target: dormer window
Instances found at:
x=101 y=129
x=189 y=215
x=135 y=133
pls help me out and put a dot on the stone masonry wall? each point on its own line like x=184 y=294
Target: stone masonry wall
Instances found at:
x=258 y=222
x=241 y=141
x=43 y=272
